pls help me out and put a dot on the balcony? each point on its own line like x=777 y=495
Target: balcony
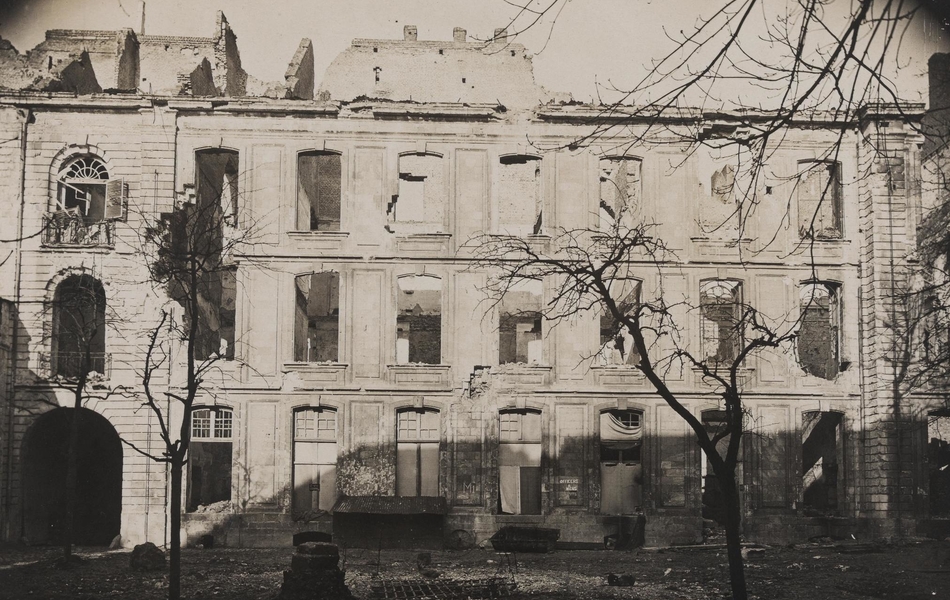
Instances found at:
x=67 y=366
x=69 y=228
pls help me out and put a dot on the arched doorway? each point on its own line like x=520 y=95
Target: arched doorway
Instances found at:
x=98 y=485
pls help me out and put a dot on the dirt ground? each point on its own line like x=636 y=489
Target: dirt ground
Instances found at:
x=913 y=571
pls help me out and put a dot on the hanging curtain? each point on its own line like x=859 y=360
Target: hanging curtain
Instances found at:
x=615 y=434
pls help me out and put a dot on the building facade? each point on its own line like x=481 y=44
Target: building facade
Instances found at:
x=360 y=361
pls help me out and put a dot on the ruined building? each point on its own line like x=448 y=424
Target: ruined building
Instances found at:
x=363 y=375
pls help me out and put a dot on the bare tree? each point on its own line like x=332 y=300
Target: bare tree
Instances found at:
x=603 y=270
x=760 y=68
x=191 y=259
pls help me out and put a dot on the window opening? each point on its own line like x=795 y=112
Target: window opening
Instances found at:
x=217 y=185
x=822 y=447
x=315 y=457
x=210 y=457
x=938 y=455
x=82 y=189
x=620 y=191
x=319 y=185
x=519 y=460
x=79 y=327
x=520 y=323
x=417 y=452
x=718 y=210
x=714 y=421
x=721 y=316
x=419 y=205
x=317 y=317
x=519 y=195
x=419 y=320
x=621 y=471
x=818 y=342
x=616 y=341
x=819 y=200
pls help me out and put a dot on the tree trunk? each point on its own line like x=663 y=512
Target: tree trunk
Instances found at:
x=72 y=475
x=730 y=496
x=174 y=551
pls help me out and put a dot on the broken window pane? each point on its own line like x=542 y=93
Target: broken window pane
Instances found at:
x=821 y=455
x=315 y=455
x=819 y=200
x=519 y=328
x=319 y=177
x=621 y=478
x=819 y=334
x=519 y=462
x=619 y=191
x=79 y=327
x=616 y=341
x=419 y=206
x=419 y=320
x=721 y=314
x=216 y=171
x=519 y=195
x=317 y=317
x=417 y=452
x=938 y=450
x=209 y=457
x=82 y=189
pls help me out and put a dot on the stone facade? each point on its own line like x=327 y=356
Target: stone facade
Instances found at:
x=375 y=106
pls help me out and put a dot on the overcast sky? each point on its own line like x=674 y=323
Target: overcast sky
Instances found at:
x=593 y=40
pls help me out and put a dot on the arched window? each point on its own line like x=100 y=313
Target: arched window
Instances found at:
x=417 y=452
x=317 y=317
x=721 y=315
x=419 y=320
x=82 y=188
x=519 y=462
x=315 y=454
x=210 y=456
x=319 y=191
x=79 y=327
x=819 y=343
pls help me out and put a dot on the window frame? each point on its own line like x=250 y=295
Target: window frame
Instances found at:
x=297 y=206
x=212 y=428
x=807 y=168
x=399 y=293
x=539 y=227
x=339 y=313
x=632 y=211
x=835 y=321
x=738 y=337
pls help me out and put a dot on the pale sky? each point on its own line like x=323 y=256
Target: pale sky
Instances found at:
x=593 y=40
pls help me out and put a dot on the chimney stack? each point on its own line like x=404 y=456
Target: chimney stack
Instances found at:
x=501 y=35
x=410 y=33
x=459 y=34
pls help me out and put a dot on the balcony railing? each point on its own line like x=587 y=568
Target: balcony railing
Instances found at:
x=67 y=228
x=69 y=365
